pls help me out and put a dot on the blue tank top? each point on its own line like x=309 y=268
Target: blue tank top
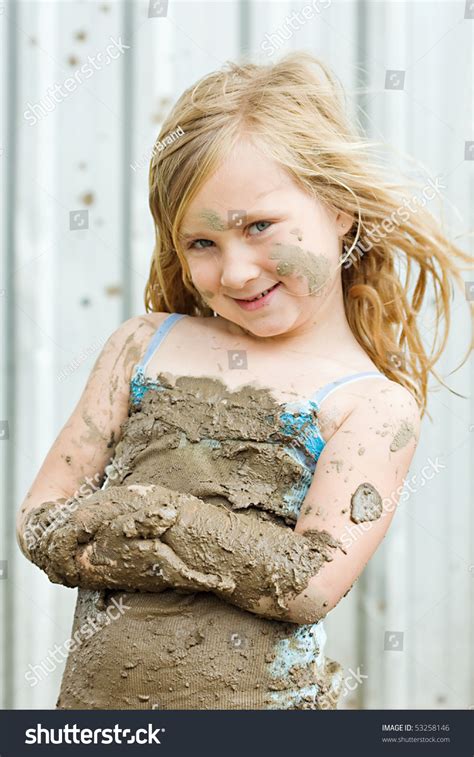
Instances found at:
x=305 y=645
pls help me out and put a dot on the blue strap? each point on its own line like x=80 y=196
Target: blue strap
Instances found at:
x=157 y=338
x=328 y=389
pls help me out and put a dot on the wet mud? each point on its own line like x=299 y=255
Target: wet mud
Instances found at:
x=366 y=503
x=294 y=260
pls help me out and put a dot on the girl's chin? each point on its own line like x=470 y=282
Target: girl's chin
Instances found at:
x=271 y=325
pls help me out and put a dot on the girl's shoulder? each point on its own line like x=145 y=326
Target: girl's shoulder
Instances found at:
x=151 y=321
x=127 y=344
x=144 y=326
x=147 y=324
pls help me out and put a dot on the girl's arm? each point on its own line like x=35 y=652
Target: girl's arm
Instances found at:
x=375 y=446
x=74 y=466
x=111 y=539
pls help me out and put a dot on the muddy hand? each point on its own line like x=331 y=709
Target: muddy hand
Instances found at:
x=152 y=521
x=143 y=564
x=179 y=576
x=126 y=552
x=88 y=514
x=149 y=521
x=132 y=569
x=146 y=510
x=113 y=540
x=55 y=533
x=120 y=553
x=105 y=506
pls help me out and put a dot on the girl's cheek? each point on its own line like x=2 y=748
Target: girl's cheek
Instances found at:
x=206 y=293
x=298 y=233
x=203 y=277
x=305 y=265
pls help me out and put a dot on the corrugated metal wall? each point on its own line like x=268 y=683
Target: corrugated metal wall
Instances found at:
x=81 y=160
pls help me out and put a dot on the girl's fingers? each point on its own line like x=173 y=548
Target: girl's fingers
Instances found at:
x=102 y=507
x=150 y=522
x=179 y=575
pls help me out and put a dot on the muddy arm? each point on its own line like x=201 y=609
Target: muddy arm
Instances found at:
x=254 y=564
x=268 y=564
x=151 y=538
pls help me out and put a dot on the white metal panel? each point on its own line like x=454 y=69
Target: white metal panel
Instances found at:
x=37 y=346
x=4 y=272
x=69 y=161
x=72 y=288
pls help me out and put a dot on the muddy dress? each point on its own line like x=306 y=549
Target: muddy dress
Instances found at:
x=182 y=650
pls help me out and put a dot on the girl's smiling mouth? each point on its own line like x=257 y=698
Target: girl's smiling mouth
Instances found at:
x=259 y=301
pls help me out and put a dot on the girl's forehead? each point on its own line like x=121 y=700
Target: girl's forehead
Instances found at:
x=246 y=164
x=224 y=194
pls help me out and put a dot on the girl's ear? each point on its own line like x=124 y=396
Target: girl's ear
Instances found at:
x=344 y=222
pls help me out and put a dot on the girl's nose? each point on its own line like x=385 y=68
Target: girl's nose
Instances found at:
x=238 y=266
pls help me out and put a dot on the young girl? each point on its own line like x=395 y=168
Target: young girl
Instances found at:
x=266 y=406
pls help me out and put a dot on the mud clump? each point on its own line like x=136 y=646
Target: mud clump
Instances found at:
x=366 y=503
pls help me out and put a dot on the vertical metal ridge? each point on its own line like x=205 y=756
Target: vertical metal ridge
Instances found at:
x=244 y=28
x=9 y=240
x=126 y=195
x=360 y=100
x=470 y=480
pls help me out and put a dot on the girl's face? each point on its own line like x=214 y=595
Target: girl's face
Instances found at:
x=251 y=228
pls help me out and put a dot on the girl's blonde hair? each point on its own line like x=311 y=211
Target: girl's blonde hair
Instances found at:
x=294 y=110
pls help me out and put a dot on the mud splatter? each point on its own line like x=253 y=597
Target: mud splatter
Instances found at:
x=213 y=220
x=366 y=503
x=294 y=260
x=298 y=233
x=402 y=436
x=94 y=434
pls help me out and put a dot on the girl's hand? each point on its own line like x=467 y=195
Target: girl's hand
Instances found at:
x=179 y=576
x=55 y=533
x=128 y=551
x=112 y=539
x=143 y=564
x=54 y=530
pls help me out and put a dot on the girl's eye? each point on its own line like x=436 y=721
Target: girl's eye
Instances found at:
x=192 y=245
x=257 y=223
